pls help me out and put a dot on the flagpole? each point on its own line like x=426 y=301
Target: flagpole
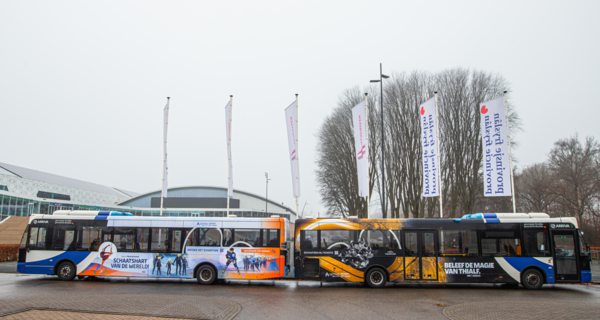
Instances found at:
x=229 y=153
x=437 y=139
x=512 y=183
x=162 y=193
x=297 y=161
x=368 y=152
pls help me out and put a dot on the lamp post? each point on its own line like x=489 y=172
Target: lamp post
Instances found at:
x=383 y=203
x=267 y=195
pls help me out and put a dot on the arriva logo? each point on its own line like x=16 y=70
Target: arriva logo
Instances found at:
x=362 y=152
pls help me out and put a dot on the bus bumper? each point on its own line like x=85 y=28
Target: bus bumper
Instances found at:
x=21 y=267
x=586 y=276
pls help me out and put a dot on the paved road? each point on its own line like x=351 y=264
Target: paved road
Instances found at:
x=294 y=300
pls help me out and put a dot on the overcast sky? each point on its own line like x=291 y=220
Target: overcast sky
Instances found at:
x=83 y=84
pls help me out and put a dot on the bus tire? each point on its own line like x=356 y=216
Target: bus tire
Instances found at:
x=532 y=279
x=206 y=274
x=376 y=278
x=66 y=271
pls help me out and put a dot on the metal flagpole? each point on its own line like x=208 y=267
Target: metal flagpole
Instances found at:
x=297 y=160
x=229 y=153
x=437 y=138
x=368 y=152
x=512 y=183
x=162 y=193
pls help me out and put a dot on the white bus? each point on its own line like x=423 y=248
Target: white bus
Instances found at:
x=117 y=244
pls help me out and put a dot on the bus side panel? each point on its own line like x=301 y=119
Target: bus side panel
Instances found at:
x=43 y=261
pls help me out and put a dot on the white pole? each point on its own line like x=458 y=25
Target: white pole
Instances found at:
x=297 y=160
x=229 y=153
x=437 y=138
x=368 y=151
x=162 y=193
x=512 y=183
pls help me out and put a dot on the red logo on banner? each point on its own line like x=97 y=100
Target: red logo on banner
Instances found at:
x=422 y=110
x=484 y=110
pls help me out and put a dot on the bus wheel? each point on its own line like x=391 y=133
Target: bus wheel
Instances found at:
x=532 y=279
x=206 y=275
x=66 y=271
x=376 y=278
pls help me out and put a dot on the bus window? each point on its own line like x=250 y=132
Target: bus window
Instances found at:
x=583 y=248
x=227 y=237
x=210 y=238
x=310 y=240
x=88 y=238
x=510 y=248
x=160 y=240
x=458 y=242
x=249 y=236
x=37 y=238
x=124 y=239
x=337 y=239
x=271 y=238
x=177 y=239
x=535 y=243
x=379 y=239
x=142 y=237
x=107 y=235
x=62 y=238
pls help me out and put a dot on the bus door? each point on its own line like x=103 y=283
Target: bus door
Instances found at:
x=566 y=256
x=420 y=255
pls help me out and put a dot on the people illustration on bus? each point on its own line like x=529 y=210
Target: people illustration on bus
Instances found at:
x=169 y=264
x=104 y=255
x=184 y=265
x=178 y=270
x=231 y=259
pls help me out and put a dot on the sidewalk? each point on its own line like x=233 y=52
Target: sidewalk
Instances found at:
x=8 y=267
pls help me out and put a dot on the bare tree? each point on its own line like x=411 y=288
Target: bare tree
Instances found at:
x=535 y=188
x=576 y=168
x=460 y=93
x=336 y=160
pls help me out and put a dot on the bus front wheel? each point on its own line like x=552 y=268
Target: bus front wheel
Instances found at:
x=532 y=279
x=66 y=271
x=206 y=274
x=376 y=278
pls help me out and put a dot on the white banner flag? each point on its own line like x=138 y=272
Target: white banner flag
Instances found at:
x=359 y=122
x=290 y=123
x=429 y=143
x=166 y=171
x=228 y=129
x=496 y=162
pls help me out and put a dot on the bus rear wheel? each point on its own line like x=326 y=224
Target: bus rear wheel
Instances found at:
x=66 y=271
x=206 y=275
x=376 y=278
x=532 y=279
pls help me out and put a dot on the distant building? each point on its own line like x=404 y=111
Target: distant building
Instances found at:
x=25 y=191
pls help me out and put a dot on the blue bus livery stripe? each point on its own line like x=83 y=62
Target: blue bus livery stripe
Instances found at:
x=490 y=215
x=522 y=263
x=103 y=213
x=75 y=256
x=100 y=217
x=492 y=220
x=586 y=276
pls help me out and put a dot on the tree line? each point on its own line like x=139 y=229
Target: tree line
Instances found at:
x=566 y=184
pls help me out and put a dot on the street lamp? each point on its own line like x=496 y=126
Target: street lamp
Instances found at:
x=267 y=196
x=381 y=77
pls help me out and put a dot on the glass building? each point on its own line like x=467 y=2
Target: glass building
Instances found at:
x=24 y=192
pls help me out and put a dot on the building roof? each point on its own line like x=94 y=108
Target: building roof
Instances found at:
x=217 y=192
x=25 y=173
